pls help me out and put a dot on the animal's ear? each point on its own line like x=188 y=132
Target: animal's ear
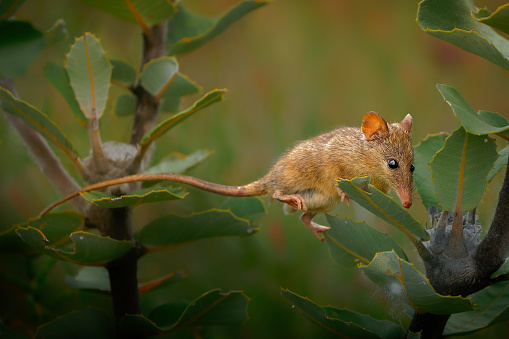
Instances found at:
x=406 y=124
x=374 y=126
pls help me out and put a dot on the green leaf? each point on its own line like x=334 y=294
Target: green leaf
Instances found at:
x=250 y=208
x=473 y=154
x=351 y=242
x=158 y=74
x=126 y=105
x=11 y=243
x=498 y=19
x=57 y=227
x=36 y=120
x=90 y=323
x=211 y=309
x=150 y=12
x=97 y=278
x=499 y=163
x=143 y=196
x=207 y=100
x=88 y=248
x=175 y=229
x=502 y=270
x=9 y=7
x=382 y=206
x=123 y=72
x=423 y=155
x=90 y=73
x=480 y=123
x=453 y=22
x=179 y=163
x=403 y=281
x=188 y=31
x=181 y=86
x=56 y=33
x=413 y=335
x=90 y=277
x=20 y=45
x=383 y=328
x=58 y=77
x=318 y=315
x=492 y=307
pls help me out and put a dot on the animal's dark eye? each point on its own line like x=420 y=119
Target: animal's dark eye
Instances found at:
x=412 y=168
x=393 y=164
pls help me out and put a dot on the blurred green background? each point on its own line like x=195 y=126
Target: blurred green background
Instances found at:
x=293 y=69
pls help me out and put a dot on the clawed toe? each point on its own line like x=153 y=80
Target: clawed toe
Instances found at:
x=307 y=219
x=294 y=200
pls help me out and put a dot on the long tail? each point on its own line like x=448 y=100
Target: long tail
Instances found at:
x=253 y=189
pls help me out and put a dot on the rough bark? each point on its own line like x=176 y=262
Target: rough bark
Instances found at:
x=468 y=273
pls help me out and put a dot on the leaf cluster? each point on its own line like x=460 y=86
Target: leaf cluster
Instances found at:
x=84 y=81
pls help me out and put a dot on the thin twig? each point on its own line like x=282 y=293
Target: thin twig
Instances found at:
x=49 y=164
x=96 y=144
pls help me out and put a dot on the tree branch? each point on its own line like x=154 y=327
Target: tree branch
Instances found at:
x=495 y=246
x=49 y=164
x=148 y=106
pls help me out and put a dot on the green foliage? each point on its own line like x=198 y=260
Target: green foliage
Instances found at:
x=178 y=163
x=213 y=308
x=423 y=155
x=480 y=123
x=58 y=77
x=126 y=105
x=20 y=45
x=90 y=277
x=250 y=208
x=36 y=120
x=463 y=166
x=343 y=322
x=498 y=19
x=403 y=281
x=142 y=12
x=158 y=74
x=381 y=205
x=491 y=306
x=188 y=31
x=453 y=22
x=84 y=84
x=499 y=163
x=97 y=278
x=88 y=248
x=207 y=100
x=61 y=225
x=123 y=72
x=90 y=74
x=351 y=243
x=175 y=229
x=78 y=324
x=181 y=86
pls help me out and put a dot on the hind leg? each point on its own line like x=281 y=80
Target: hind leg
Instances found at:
x=307 y=219
x=294 y=200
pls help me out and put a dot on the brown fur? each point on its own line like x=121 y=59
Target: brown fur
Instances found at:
x=312 y=167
